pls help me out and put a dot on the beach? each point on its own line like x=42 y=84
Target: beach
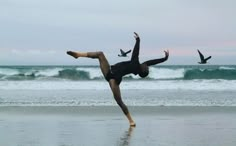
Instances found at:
x=74 y=106
x=106 y=126
x=69 y=69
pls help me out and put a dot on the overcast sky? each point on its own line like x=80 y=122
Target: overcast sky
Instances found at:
x=39 y=32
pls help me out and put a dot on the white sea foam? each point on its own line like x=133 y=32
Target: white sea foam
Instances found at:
x=134 y=97
x=49 y=72
x=218 y=85
x=165 y=73
x=8 y=71
x=227 y=68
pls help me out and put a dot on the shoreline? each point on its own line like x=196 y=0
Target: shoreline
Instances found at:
x=93 y=110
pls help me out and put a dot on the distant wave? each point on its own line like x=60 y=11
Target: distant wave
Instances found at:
x=190 y=73
x=73 y=74
x=210 y=74
x=93 y=73
x=47 y=73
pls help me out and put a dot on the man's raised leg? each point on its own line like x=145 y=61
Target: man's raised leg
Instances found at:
x=104 y=65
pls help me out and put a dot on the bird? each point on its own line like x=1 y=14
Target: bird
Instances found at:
x=123 y=53
x=203 y=60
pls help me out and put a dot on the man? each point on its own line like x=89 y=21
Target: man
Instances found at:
x=114 y=73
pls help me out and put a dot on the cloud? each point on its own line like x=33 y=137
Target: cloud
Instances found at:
x=28 y=51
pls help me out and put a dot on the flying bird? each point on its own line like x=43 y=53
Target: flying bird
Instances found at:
x=203 y=60
x=123 y=53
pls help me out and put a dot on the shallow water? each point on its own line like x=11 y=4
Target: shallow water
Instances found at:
x=105 y=98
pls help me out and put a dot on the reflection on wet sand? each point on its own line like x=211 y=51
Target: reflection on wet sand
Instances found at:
x=125 y=138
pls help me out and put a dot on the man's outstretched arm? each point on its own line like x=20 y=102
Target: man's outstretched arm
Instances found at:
x=157 y=61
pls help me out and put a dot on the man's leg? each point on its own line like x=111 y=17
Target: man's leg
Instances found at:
x=104 y=65
x=117 y=95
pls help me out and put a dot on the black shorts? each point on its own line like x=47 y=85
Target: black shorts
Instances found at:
x=110 y=75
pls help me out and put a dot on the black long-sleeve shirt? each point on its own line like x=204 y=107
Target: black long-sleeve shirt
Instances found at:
x=133 y=66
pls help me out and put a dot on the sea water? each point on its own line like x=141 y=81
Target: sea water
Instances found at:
x=197 y=85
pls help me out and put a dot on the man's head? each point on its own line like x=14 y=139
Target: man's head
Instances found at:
x=144 y=70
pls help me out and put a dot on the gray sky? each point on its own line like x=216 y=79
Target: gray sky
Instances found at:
x=39 y=32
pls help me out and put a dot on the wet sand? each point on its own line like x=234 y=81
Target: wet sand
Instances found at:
x=107 y=126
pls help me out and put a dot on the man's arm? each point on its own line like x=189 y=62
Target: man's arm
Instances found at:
x=157 y=61
x=135 y=53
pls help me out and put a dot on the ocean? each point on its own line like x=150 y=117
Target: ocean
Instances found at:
x=172 y=85
x=70 y=105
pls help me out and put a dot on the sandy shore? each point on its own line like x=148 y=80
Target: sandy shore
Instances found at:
x=107 y=126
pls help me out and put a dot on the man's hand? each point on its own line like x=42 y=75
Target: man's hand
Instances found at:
x=136 y=36
x=166 y=54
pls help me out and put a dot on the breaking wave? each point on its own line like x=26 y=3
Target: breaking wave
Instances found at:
x=74 y=73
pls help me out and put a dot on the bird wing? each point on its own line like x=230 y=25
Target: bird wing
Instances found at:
x=200 y=54
x=128 y=52
x=208 y=58
x=122 y=52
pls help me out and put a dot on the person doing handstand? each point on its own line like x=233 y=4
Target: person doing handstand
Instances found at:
x=114 y=73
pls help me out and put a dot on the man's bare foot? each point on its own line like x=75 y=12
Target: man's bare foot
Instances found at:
x=73 y=54
x=132 y=124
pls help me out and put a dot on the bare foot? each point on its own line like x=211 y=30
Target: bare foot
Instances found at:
x=132 y=124
x=73 y=54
